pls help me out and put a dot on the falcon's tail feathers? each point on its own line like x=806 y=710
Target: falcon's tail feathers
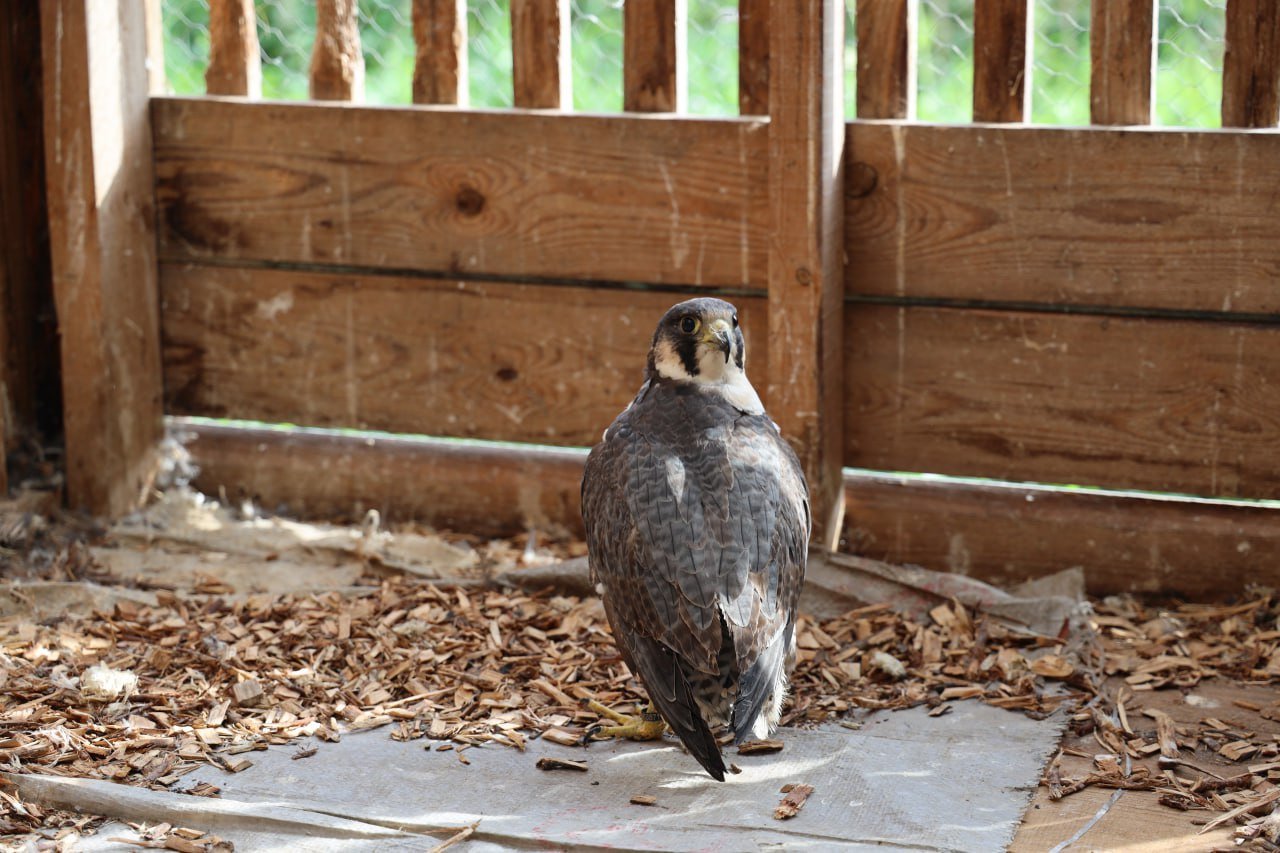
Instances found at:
x=671 y=694
x=757 y=690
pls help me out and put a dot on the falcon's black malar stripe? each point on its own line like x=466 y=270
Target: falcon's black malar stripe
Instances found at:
x=687 y=349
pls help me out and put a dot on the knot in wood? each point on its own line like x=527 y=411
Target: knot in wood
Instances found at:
x=469 y=201
x=803 y=276
x=860 y=180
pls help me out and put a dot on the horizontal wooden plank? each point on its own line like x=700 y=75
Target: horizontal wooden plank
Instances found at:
x=1149 y=219
x=1161 y=405
x=620 y=198
x=1002 y=535
x=515 y=362
x=485 y=490
x=1009 y=534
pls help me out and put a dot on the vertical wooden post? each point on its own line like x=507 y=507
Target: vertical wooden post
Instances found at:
x=440 y=58
x=1001 y=33
x=234 y=64
x=1251 y=64
x=886 y=58
x=540 y=54
x=156 y=83
x=337 y=65
x=102 y=240
x=654 y=76
x=753 y=57
x=28 y=343
x=806 y=249
x=1122 y=52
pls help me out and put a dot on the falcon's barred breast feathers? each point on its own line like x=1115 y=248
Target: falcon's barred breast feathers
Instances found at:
x=697 y=520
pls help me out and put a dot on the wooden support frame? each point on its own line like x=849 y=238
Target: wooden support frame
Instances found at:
x=440 y=52
x=654 y=58
x=1251 y=64
x=234 y=64
x=806 y=250
x=753 y=57
x=939 y=524
x=540 y=72
x=1002 y=36
x=337 y=64
x=886 y=85
x=102 y=238
x=1122 y=50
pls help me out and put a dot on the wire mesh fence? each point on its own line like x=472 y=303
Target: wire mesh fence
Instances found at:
x=1188 y=70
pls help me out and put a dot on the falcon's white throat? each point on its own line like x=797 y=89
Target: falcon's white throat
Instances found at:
x=715 y=372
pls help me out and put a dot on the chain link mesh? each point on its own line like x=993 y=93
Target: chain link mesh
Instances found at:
x=1188 y=72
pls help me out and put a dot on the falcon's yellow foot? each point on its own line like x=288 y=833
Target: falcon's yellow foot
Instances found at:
x=648 y=726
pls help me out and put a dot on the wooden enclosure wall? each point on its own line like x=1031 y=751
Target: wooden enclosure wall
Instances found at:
x=1093 y=307
x=30 y=405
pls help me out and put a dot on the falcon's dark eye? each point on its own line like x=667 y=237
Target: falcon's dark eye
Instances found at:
x=689 y=325
x=735 y=321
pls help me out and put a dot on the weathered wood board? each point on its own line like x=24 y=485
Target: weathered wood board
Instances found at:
x=1008 y=534
x=806 y=278
x=1147 y=219
x=654 y=59
x=1122 y=61
x=637 y=198
x=29 y=393
x=486 y=490
x=1000 y=32
x=540 y=71
x=99 y=178
x=999 y=534
x=1153 y=404
x=886 y=82
x=512 y=362
x=1251 y=64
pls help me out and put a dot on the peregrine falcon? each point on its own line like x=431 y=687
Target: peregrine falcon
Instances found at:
x=697 y=520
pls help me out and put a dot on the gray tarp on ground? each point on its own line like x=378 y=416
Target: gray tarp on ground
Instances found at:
x=955 y=782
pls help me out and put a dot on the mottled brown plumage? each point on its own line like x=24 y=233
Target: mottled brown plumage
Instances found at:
x=697 y=521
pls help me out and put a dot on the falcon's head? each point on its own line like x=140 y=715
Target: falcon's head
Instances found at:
x=699 y=341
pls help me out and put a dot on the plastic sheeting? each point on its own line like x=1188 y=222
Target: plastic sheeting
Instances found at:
x=955 y=782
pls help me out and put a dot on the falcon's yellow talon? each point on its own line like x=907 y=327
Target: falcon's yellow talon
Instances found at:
x=647 y=726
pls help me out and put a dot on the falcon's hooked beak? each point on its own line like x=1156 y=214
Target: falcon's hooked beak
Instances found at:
x=719 y=334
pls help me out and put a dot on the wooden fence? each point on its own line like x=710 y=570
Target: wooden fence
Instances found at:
x=1095 y=306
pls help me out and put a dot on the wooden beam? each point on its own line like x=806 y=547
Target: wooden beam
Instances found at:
x=622 y=198
x=806 y=137
x=511 y=362
x=886 y=58
x=485 y=490
x=440 y=53
x=1006 y=534
x=156 y=81
x=540 y=70
x=753 y=57
x=1122 y=52
x=654 y=58
x=1001 y=33
x=30 y=403
x=1063 y=217
x=1251 y=64
x=337 y=64
x=1000 y=534
x=98 y=156
x=1122 y=403
x=234 y=64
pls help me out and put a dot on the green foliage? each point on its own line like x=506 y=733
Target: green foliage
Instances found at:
x=1188 y=78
